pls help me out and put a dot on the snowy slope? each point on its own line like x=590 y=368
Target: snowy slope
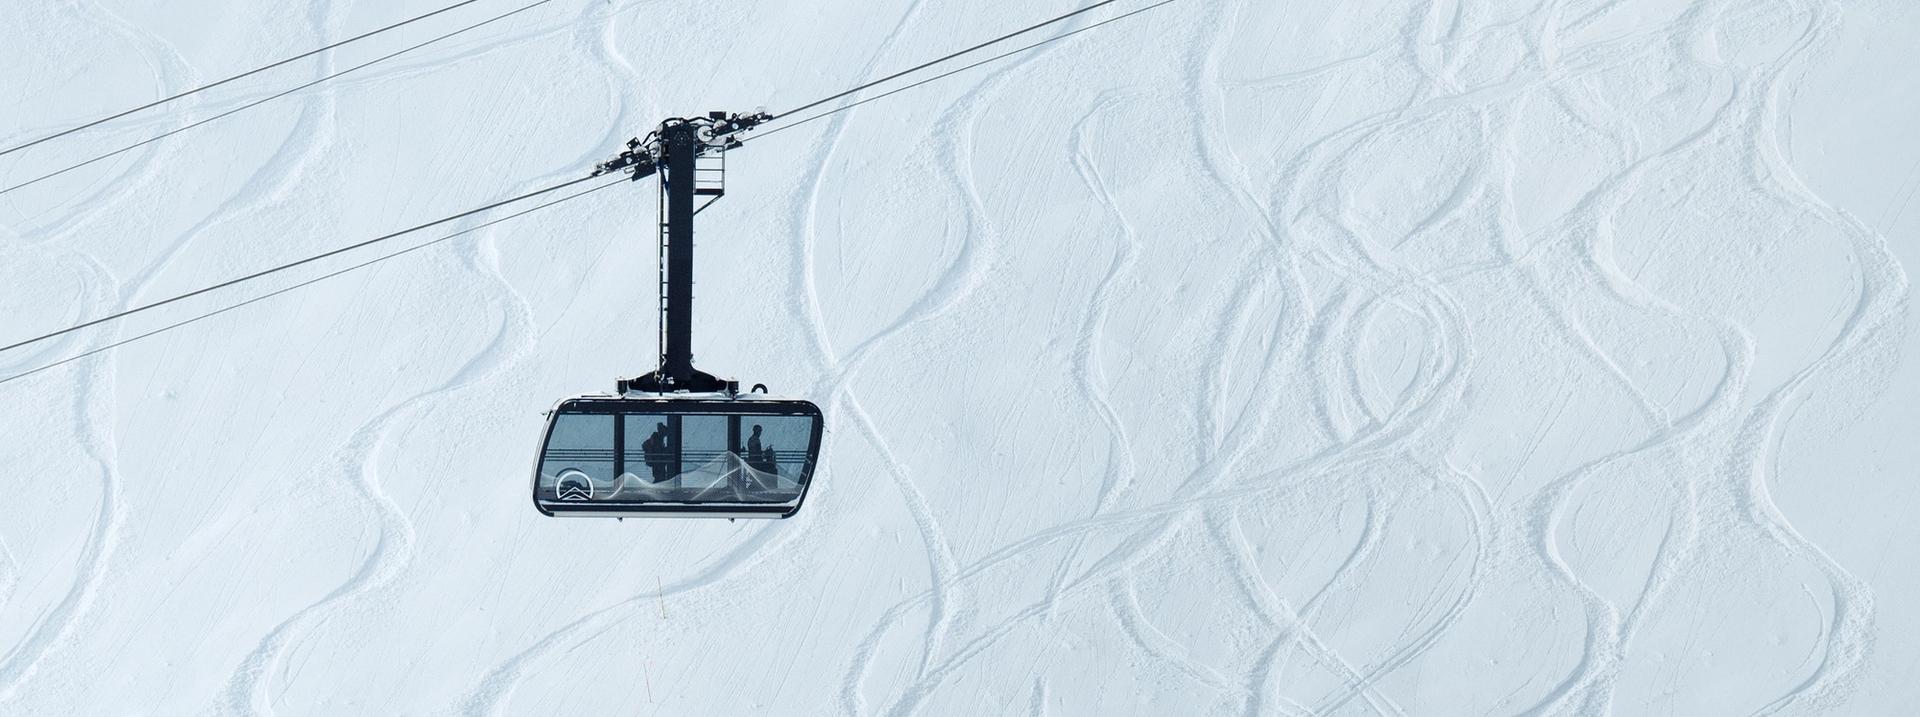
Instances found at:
x=1243 y=357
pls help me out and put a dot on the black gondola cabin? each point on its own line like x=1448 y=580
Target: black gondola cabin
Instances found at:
x=661 y=456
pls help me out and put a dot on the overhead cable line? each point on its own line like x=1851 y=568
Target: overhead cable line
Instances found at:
x=286 y=266
x=1002 y=55
x=275 y=96
x=290 y=265
x=309 y=282
x=930 y=63
x=248 y=73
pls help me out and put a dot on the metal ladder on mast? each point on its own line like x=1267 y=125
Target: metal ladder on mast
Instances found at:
x=710 y=180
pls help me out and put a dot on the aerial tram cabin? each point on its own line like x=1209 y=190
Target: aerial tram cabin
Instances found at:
x=677 y=442
x=676 y=455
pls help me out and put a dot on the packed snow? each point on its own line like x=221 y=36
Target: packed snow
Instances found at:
x=1240 y=357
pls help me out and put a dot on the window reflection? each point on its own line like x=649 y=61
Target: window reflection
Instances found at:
x=694 y=458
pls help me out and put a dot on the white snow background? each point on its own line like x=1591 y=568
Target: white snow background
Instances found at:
x=1243 y=357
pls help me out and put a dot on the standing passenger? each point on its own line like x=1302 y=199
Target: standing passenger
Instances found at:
x=659 y=454
x=752 y=457
x=771 y=466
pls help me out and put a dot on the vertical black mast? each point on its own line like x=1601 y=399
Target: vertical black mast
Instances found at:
x=675 y=151
x=681 y=145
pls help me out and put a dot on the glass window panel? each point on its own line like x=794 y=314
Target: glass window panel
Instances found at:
x=776 y=450
x=687 y=458
x=648 y=449
x=578 y=461
x=703 y=443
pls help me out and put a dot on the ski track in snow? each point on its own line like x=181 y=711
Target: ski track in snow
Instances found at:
x=92 y=408
x=1378 y=448
x=249 y=688
x=1087 y=356
x=1604 y=622
x=929 y=677
x=1881 y=306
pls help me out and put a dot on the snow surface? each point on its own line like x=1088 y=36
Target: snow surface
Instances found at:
x=1247 y=356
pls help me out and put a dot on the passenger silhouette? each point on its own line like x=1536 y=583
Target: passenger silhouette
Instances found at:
x=768 y=465
x=752 y=457
x=659 y=454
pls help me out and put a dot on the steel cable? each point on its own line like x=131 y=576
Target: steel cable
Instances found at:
x=308 y=282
